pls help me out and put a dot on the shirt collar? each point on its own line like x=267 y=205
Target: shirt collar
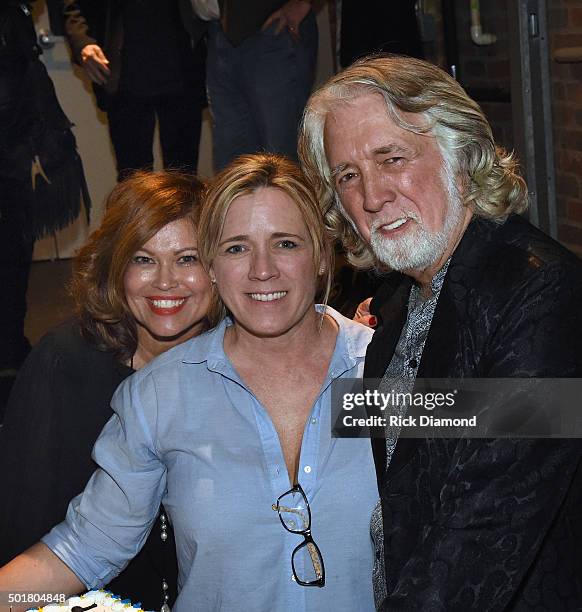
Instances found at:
x=208 y=347
x=352 y=341
x=436 y=284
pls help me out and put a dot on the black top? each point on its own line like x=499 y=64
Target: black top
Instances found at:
x=156 y=57
x=59 y=404
x=378 y=27
x=486 y=524
x=243 y=19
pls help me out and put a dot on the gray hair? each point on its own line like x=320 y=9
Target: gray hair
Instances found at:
x=491 y=184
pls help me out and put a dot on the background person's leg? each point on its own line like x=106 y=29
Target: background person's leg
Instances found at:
x=15 y=258
x=180 y=122
x=279 y=74
x=234 y=130
x=131 y=128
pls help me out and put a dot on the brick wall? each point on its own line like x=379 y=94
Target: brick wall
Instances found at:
x=485 y=72
x=565 y=30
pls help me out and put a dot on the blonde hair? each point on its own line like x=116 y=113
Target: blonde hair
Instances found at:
x=243 y=176
x=491 y=184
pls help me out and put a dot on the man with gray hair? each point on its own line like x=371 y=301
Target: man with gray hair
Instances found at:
x=411 y=180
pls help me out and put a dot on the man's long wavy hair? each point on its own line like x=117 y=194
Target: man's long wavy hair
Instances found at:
x=136 y=210
x=489 y=180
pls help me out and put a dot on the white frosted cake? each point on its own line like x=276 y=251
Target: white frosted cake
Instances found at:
x=92 y=601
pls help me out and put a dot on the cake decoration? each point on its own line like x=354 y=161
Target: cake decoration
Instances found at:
x=93 y=601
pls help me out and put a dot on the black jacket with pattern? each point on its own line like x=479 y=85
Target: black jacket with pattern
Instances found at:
x=487 y=524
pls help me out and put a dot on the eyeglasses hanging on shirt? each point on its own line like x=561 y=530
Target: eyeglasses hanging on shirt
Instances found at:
x=295 y=516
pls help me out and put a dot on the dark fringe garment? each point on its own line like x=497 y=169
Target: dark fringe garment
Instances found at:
x=58 y=203
x=37 y=146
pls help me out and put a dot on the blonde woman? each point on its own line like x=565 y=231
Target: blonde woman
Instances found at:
x=231 y=430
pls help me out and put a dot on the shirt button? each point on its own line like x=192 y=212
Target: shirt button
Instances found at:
x=313 y=421
x=413 y=363
x=307 y=469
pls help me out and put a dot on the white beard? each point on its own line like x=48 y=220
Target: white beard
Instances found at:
x=418 y=248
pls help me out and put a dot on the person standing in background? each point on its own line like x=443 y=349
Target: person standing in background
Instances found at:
x=146 y=61
x=42 y=184
x=260 y=70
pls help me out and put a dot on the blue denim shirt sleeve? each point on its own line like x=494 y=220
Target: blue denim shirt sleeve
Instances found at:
x=108 y=523
x=189 y=431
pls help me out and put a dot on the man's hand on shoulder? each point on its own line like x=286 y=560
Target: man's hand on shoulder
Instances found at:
x=95 y=63
x=289 y=16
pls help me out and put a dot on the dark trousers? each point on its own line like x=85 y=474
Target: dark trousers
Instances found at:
x=131 y=128
x=257 y=90
x=15 y=257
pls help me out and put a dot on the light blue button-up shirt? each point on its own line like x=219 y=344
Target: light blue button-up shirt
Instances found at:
x=188 y=432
